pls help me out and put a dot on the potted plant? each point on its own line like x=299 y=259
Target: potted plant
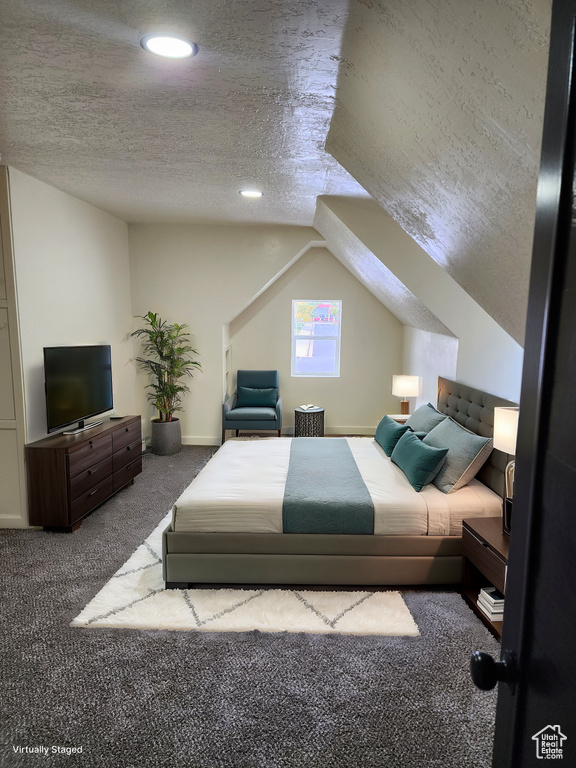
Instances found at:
x=167 y=361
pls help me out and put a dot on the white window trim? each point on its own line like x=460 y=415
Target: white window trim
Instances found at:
x=299 y=337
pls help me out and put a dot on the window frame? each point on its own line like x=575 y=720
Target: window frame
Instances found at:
x=316 y=337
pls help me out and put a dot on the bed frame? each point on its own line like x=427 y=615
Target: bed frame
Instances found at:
x=337 y=559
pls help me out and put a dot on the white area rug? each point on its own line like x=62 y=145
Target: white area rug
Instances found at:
x=135 y=598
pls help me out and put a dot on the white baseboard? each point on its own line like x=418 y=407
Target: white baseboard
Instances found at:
x=201 y=440
x=364 y=431
x=343 y=431
x=286 y=432
x=15 y=521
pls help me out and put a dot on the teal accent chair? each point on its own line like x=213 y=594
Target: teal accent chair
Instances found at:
x=256 y=404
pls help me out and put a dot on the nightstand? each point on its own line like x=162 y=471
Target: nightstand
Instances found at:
x=485 y=550
x=401 y=418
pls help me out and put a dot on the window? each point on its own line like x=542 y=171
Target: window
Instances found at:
x=316 y=338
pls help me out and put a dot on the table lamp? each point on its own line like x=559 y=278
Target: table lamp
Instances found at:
x=405 y=387
x=505 y=431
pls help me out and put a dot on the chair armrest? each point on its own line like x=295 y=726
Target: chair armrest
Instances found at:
x=229 y=404
x=279 y=410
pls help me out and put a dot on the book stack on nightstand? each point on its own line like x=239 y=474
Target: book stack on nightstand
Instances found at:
x=485 y=550
x=491 y=603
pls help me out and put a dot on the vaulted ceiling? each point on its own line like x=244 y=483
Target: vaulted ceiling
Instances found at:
x=439 y=116
x=433 y=107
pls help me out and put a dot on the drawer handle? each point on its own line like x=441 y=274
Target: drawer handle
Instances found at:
x=94 y=491
x=129 y=447
x=127 y=429
x=89 y=472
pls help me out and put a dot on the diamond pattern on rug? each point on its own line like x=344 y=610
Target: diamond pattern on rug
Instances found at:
x=328 y=610
x=135 y=598
x=146 y=557
x=211 y=604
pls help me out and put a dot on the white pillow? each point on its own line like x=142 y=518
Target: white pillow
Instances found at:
x=425 y=418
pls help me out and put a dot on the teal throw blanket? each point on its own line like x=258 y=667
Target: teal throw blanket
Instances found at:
x=324 y=490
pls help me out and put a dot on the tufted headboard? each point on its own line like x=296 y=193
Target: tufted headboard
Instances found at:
x=474 y=409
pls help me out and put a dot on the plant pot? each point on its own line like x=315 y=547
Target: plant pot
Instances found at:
x=166 y=437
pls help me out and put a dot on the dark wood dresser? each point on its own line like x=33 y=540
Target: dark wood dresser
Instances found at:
x=68 y=476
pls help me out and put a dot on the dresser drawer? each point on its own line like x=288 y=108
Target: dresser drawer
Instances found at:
x=68 y=476
x=88 y=479
x=85 y=457
x=126 y=454
x=91 y=499
x=126 y=435
x=127 y=472
x=482 y=557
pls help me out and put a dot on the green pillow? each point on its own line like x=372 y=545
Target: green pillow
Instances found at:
x=250 y=397
x=388 y=432
x=425 y=418
x=419 y=462
x=467 y=452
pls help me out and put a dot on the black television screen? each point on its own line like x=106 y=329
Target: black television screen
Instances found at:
x=78 y=384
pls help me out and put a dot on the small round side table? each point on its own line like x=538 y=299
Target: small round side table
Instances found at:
x=309 y=423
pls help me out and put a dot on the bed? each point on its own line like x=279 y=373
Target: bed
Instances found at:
x=231 y=525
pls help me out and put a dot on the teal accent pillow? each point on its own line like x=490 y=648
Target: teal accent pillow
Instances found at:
x=467 y=452
x=388 y=432
x=425 y=418
x=255 y=396
x=421 y=435
x=419 y=462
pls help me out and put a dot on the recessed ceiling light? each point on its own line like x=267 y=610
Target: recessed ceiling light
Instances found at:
x=170 y=46
x=250 y=193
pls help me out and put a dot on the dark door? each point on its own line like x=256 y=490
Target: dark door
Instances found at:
x=536 y=715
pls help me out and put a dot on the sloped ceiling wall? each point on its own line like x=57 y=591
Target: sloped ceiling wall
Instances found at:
x=360 y=233
x=368 y=266
x=439 y=116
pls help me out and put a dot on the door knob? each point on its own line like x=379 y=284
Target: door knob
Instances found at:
x=486 y=672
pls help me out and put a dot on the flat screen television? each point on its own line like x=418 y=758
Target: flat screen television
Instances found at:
x=78 y=385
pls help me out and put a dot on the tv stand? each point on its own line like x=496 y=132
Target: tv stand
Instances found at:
x=82 y=427
x=68 y=476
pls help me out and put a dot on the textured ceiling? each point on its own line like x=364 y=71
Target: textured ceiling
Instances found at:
x=87 y=110
x=439 y=116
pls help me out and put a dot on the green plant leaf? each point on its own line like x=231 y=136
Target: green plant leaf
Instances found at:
x=167 y=359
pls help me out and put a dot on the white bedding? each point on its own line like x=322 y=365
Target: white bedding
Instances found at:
x=242 y=487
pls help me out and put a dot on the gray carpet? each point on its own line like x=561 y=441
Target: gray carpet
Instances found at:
x=157 y=698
